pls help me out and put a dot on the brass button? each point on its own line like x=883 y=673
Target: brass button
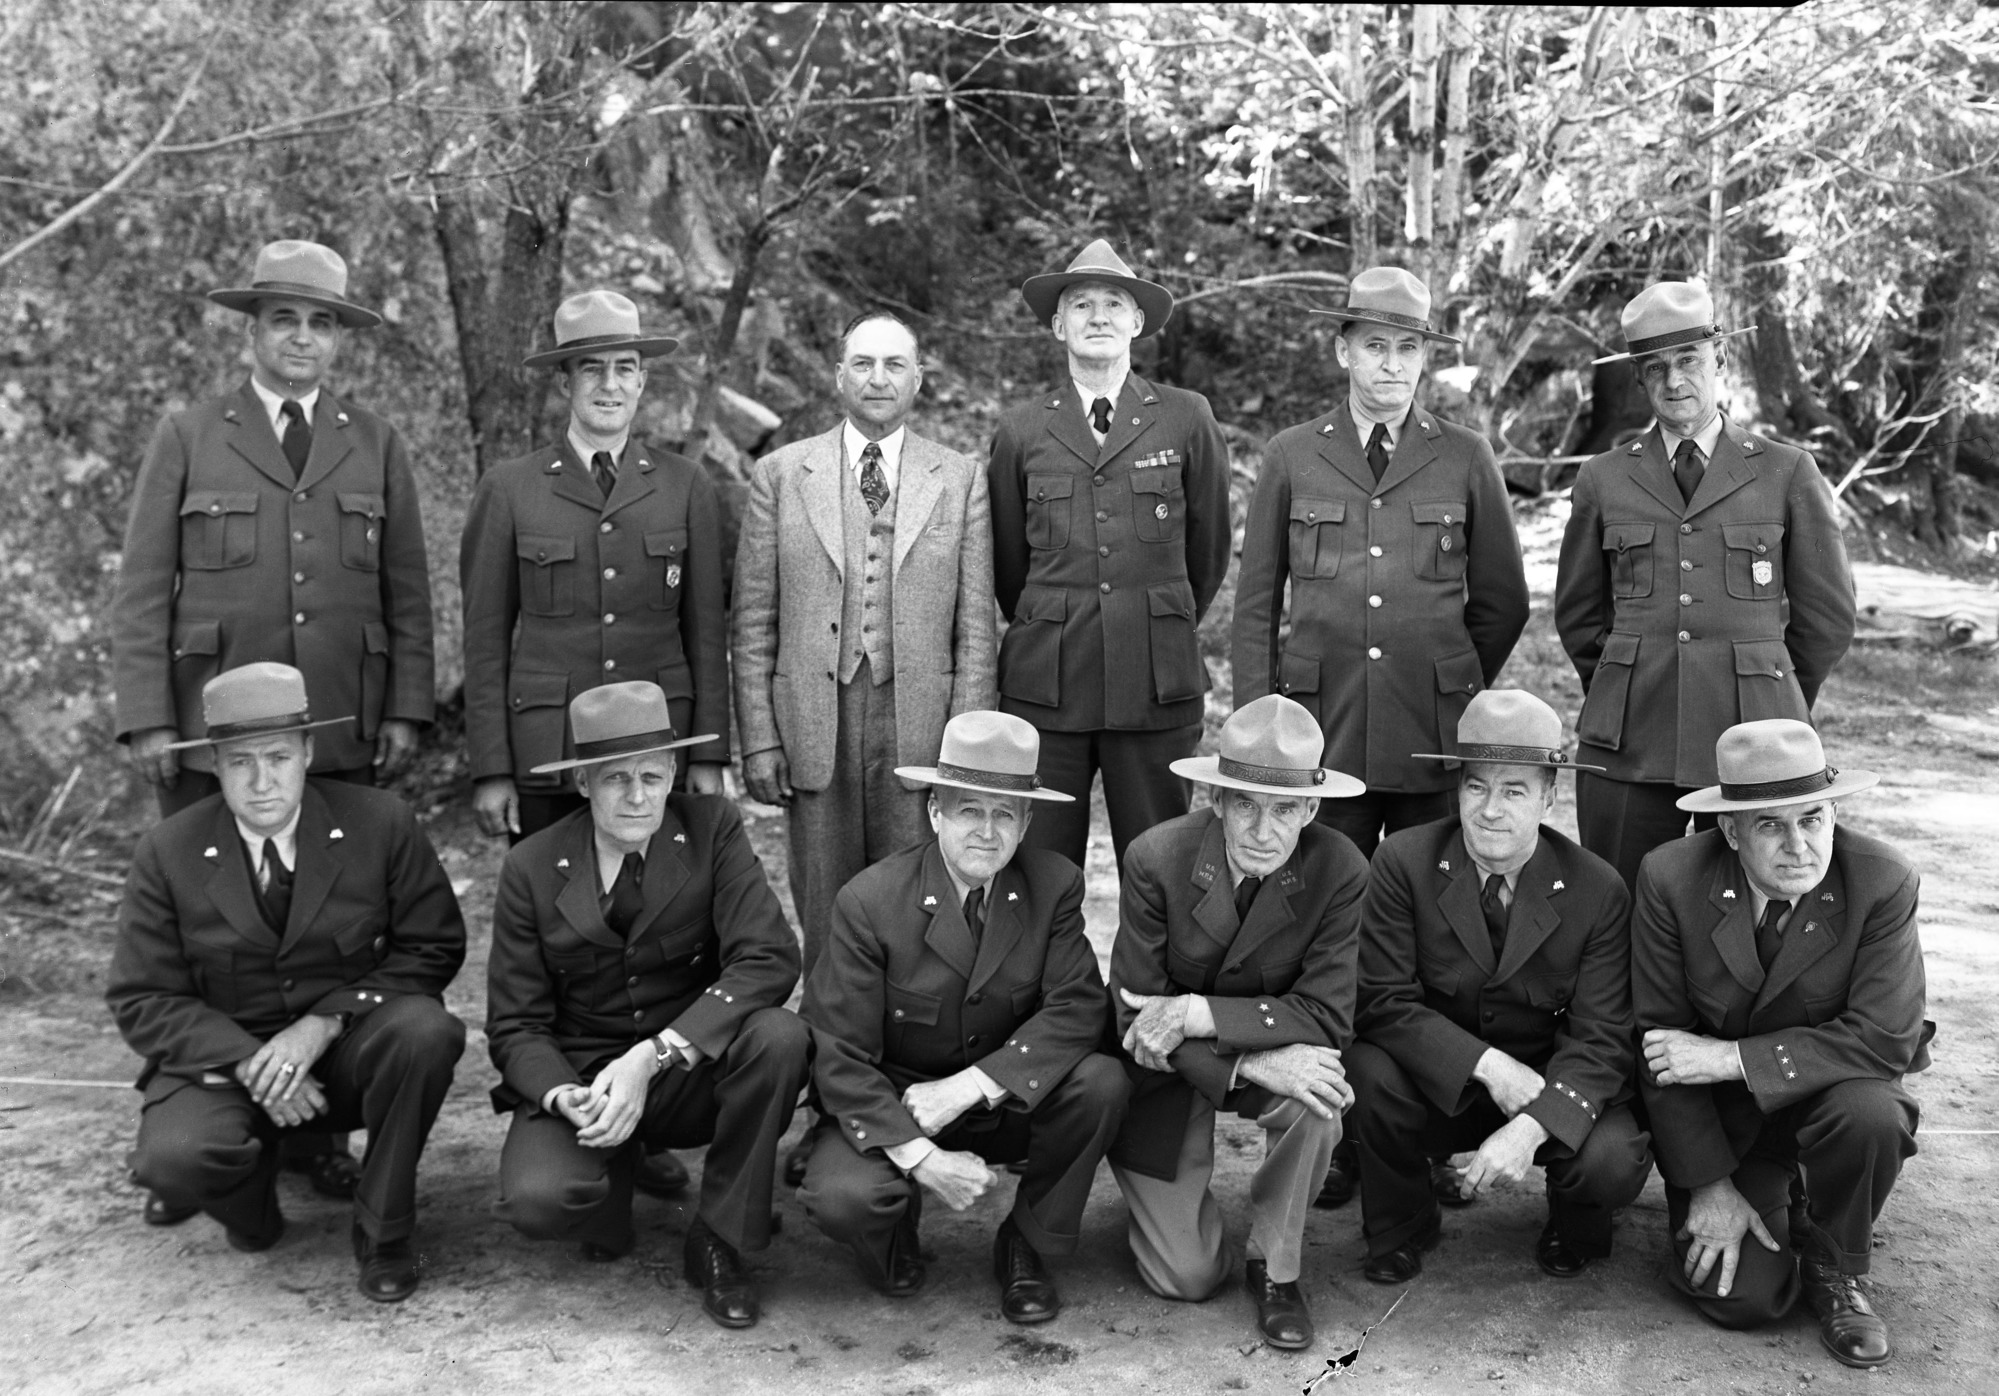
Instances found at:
x=298 y=537
x=298 y=576
x=1374 y=652
x=610 y=619
x=1374 y=551
x=1103 y=550
x=1103 y=586
x=1374 y=600
x=610 y=664
x=1684 y=637
x=298 y=618
x=1685 y=599
x=1686 y=528
x=1686 y=565
x=1103 y=516
x=604 y=527
x=300 y=496
x=610 y=572
x=1374 y=504
x=1098 y=480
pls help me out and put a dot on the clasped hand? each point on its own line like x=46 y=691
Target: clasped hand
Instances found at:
x=958 y=1178
x=1313 y=1076
x=277 y=1074
x=1159 y=1028
x=1678 y=1058
x=935 y=1104
x=606 y=1111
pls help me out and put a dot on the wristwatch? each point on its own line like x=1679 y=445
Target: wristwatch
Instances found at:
x=664 y=1053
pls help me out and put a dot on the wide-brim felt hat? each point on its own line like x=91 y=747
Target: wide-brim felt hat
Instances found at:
x=993 y=752
x=1666 y=316
x=1777 y=761
x=616 y=720
x=290 y=269
x=254 y=700
x=1098 y=262
x=599 y=322
x=1511 y=727
x=1271 y=747
x=1390 y=296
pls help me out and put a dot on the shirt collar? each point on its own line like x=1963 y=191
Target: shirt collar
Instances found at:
x=274 y=406
x=1707 y=438
x=584 y=451
x=1084 y=396
x=286 y=839
x=1365 y=425
x=891 y=449
x=964 y=889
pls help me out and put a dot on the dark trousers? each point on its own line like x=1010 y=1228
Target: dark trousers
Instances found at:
x=215 y=1148
x=553 y=1188
x=1851 y=1140
x=191 y=787
x=1365 y=818
x=1397 y=1131
x=1621 y=821
x=1139 y=790
x=858 y=1197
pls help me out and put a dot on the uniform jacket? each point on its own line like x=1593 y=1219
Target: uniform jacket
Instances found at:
x=904 y=994
x=1406 y=597
x=790 y=586
x=1558 y=1001
x=1842 y=1001
x=1105 y=560
x=1675 y=611
x=565 y=590
x=564 y=995
x=199 y=981
x=1285 y=975
x=228 y=561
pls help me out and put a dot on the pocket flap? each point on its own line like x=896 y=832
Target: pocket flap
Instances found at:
x=907 y=1006
x=1439 y=978
x=535 y=690
x=371 y=506
x=1753 y=537
x=1547 y=992
x=1443 y=511
x=1050 y=486
x=1171 y=599
x=542 y=549
x=1619 y=536
x=1767 y=657
x=1162 y=479
x=670 y=542
x=1318 y=511
x=1619 y=647
x=217 y=502
x=1459 y=673
x=1024 y=999
x=198 y=637
x=676 y=681
x=375 y=637
x=1299 y=673
x=1042 y=603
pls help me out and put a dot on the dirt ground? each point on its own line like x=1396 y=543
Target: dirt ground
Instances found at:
x=96 y=1302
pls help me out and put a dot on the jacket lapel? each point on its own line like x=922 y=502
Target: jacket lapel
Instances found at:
x=1814 y=929
x=821 y=485
x=1734 y=933
x=668 y=867
x=1458 y=901
x=331 y=441
x=1341 y=447
x=1726 y=473
x=1268 y=914
x=229 y=881
x=1066 y=424
x=1003 y=930
x=1131 y=416
x=321 y=853
x=948 y=936
x=570 y=479
x=1654 y=473
x=1214 y=909
x=634 y=482
x=921 y=485
x=576 y=859
x=255 y=441
x=1415 y=448
x=1533 y=917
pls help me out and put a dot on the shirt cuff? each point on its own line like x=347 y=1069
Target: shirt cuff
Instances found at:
x=1200 y=1017
x=993 y=1091
x=687 y=1049
x=909 y=1153
x=1741 y=1072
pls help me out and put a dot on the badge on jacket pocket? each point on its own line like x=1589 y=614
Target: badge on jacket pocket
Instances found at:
x=1761 y=572
x=673 y=574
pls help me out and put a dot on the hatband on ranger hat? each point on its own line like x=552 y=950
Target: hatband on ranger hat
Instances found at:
x=254 y=700
x=1512 y=727
x=292 y=269
x=1390 y=296
x=1771 y=762
x=616 y=720
x=1666 y=315
x=997 y=753
x=1271 y=747
x=1098 y=262
x=599 y=322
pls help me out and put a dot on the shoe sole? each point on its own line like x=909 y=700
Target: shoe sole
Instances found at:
x=1026 y=1320
x=1424 y=1245
x=1855 y=1363
x=1303 y=1342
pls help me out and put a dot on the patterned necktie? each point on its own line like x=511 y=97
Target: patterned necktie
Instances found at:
x=274 y=880
x=975 y=912
x=1377 y=451
x=1492 y=901
x=874 y=482
x=1100 y=416
x=605 y=473
x=1245 y=897
x=297 y=439
x=1688 y=467
x=622 y=906
x=1770 y=934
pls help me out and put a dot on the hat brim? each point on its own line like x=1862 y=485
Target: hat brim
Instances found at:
x=1561 y=765
x=646 y=348
x=1711 y=801
x=1710 y=339
x=928 y=775
x=247 y=298
x=261 y=732
x=1043 y=295
x=1344 y=316
x=551 y=767
x=1338 y=785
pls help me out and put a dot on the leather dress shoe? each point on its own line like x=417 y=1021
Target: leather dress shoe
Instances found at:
x=1342 y=1179
x=1405 y=1262
x=660 y=1174
x=1444 y=1180
x=727 y=1293
x=1027 y=1295
x=160 y=1212
x=334 y=1175
x=906 y=1272
x=795 y=1159
x=1848 y=1325
x=388 y=1268
x=1554 y=1257
x=1281 y=1315
x=248 y=1244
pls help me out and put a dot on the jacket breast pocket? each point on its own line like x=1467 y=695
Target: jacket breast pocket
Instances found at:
x=1177 y=670
x=1048 y=510
x=668 y=548
x=360 y=944
x=909 y=1010
x=1158 y=504
x=1766 y=682
x=1315 y=529
x=1629 y=546
x=1024 y=1001
x=1753 y=566
x=218 y=530
x=1298 y=679
x=1030 y=662
x=1440 y=539
x=1278 y=978
x=1602 y=720
x=1548 y=992
x=548 y=574
x=361 y=518
x=1186 y=973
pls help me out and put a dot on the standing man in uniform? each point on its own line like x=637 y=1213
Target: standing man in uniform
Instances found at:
x=1703 y=583
x=1110 y=500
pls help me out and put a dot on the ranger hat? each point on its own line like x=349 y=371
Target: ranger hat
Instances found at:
x=254 y=700
x=595 y=322
x=1665 y=316
x=1097 y=262
x=615 y=720
x=1271 y=747
x=1390 y=296
x=993 y=752
x=300 y=271
x=1777 y=761
x=1512 y=727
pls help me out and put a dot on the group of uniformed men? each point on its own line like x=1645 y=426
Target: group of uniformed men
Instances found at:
x=1472 y=982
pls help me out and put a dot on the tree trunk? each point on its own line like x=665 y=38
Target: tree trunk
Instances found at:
x=1360 y=143
x=1419 y=221
x=1460 y=57
x=722 y=349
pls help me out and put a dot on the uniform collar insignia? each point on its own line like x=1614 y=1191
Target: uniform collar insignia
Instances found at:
x=208 y=853
x=562 y=862
x=930 y=901
x=341 y=418
x=1013 y=896
x=680 y=838
x=1558 y=885
x=1443 y=865
x=1728 y=893
x=336 y=834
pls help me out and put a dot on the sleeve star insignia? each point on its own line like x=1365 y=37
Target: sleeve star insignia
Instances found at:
x=562 y=862
x=1270 y=1022
x=336 y=834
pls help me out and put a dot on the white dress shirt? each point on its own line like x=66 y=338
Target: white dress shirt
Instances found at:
x=286 y=839
x=1707 y=438
x=584 y=450
x=891 y=449
x=1366 y=425
x=1086 y=396
x=274 y=408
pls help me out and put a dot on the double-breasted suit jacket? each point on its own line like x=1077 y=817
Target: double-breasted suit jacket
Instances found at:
x=1843 y=1000
x=228 y=561
x=565 y=993
x=1105 y=559
x=903 y=993
x=1685 y=617
x=791 y=586
x=1406 y=596
x=1283 y=976
x=565 y=590
x=1558 y=999
x=199 y=981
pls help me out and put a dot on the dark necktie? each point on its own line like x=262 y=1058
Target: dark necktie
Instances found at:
x=975 y=912
x=274 y=880
x=1377 y=451
x=1100 y=416
x=1769 y=934
x=874 y=482
x=605 y=473
x=297 y=439
x=1245 y=897
x=622 y=904
x=1688 y=467
x=1492 y=902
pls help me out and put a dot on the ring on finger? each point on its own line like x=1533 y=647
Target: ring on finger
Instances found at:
x=287 y=1069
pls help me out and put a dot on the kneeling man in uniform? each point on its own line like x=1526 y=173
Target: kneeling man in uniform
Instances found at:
x=1495 y=1006
x=1778 y=982
x=1233 y=971
x=955 y=1011
x=281 y=962
x=635 y=997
